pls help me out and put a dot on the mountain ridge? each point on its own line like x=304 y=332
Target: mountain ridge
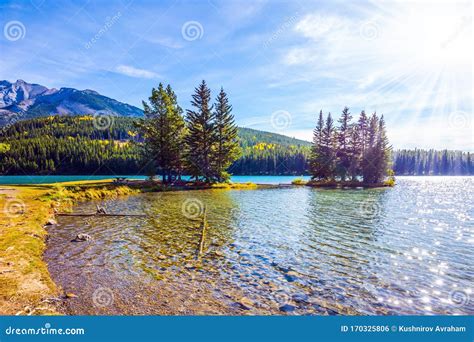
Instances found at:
x=23 y=100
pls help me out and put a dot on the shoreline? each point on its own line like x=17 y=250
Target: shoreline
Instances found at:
x=28 y=287
x=26 y=284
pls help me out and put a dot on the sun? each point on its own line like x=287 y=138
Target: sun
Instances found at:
x=437 y=35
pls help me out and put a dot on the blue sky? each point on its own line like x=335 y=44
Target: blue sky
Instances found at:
x=280 y=61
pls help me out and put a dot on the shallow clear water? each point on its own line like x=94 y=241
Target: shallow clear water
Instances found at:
x=405 y=250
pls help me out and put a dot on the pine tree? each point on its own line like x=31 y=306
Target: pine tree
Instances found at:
x=384 y=154
x=226 y=145
x=177 y=125
x=354 y=153
x=343 y=153
x=328 y=149
x=363 y=126
x=201 y=134
x=163 y=129
x=370 y=152
x=316 y=158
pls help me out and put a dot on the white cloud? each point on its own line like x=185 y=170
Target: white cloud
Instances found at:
x=398 y=61
x=318 y=26
x=136 y=72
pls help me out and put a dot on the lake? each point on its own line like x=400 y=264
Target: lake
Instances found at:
x=406 y=250
x=57 y=179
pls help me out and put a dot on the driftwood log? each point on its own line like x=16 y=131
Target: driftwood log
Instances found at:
x=203 y=234
x=106 y=215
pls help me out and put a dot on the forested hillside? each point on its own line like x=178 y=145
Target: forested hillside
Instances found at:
x=431 y=162
x=72 y=145
x=81 y=145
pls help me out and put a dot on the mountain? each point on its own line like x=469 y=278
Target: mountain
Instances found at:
x=250 y=137
x=22 y=100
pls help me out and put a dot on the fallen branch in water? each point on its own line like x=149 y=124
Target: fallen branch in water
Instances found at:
x=203 y=234
x=132 y=215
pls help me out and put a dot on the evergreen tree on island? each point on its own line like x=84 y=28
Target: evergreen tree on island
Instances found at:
x=163 y=132
x=201 y=134
x=343 y=153
x=360 y=151
x=316 y=162
x=226 y=145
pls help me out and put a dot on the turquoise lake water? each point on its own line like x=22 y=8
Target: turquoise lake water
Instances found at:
x=57 y=179
x=406 y=250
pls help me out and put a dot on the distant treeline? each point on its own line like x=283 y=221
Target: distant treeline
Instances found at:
x=432 y=162
x=74 y=145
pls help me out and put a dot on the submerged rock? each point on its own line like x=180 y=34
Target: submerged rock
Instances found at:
x=245 y=303
x=300 y=298
x=82 y=237
x=287 y=308
x=51 y=222
x=291 y=276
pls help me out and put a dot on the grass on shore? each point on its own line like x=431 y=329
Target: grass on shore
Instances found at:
x=25 y=283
